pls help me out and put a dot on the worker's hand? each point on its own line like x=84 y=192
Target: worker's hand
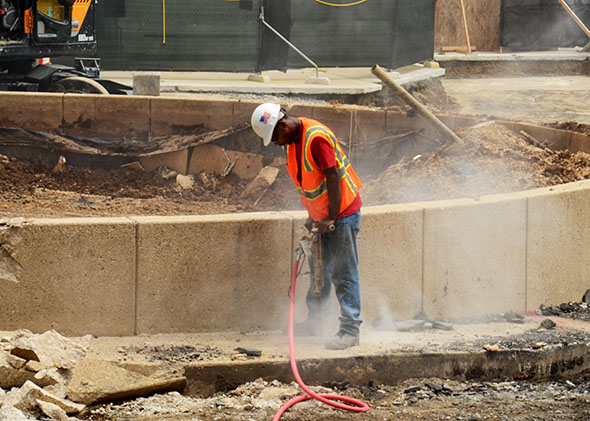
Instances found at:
x=326 y=226
x=309 y=223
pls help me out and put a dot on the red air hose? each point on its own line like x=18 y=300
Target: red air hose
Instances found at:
x=359 y=406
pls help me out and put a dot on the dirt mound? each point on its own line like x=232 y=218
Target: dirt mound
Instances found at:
x=572 y=126
x=494 y=160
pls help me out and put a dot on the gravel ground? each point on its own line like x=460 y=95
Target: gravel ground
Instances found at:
x=426 y=399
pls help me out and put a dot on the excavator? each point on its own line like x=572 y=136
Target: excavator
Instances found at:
x=33 y=32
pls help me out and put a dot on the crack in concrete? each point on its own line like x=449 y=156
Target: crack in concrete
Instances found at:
x=10 y=237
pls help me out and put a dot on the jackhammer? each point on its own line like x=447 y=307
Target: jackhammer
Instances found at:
x=310 y=246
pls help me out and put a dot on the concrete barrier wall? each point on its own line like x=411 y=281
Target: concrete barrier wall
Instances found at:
x=451 y=259
x=107 y=116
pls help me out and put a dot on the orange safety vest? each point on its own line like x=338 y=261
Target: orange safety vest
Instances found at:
x=313 y=187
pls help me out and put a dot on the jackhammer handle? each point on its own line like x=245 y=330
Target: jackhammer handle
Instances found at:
x=331 y=228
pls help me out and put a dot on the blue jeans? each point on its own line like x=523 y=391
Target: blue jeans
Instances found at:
x=340 y=259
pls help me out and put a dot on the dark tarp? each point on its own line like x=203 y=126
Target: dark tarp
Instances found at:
x=222 y=35
x=535 y=25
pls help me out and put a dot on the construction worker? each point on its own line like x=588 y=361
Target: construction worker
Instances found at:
x=329 y=190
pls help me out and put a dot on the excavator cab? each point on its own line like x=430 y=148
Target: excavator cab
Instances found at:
x=52 y=21
x=34 y=30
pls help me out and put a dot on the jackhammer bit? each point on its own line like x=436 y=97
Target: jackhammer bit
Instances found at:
x=311 y=244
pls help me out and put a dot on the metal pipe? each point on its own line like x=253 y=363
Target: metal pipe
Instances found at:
x=413 y=102
x=297 y=50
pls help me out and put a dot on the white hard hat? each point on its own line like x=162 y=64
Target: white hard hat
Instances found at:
x=264 y=120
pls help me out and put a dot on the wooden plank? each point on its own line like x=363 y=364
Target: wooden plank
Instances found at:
x=466 y=27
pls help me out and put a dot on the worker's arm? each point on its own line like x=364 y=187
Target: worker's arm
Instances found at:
x=335 y=197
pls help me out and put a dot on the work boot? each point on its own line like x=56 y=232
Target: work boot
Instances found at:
x=342 y=340
x=308 y=328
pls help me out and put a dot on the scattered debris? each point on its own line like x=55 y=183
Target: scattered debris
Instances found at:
x=185 y=181
x=491 y=348
x=175 y=354
x=578 y=311
x=250 y=352
x=135 y=166
x=548 y=324
x=230 y=164
x=59 y=167
x=166 y=173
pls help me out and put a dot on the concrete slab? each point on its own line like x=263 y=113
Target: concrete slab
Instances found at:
x=474 y=256
x=382 y=357
x=180 y=269
x=77 y=277
x=343 y=81
x=213 y=159
x=572 y=54
x=96 y=381
x=557 y=244
x=176 y=161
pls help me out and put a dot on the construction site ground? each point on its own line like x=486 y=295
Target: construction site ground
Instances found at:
x=226 y=384
x=30 y=190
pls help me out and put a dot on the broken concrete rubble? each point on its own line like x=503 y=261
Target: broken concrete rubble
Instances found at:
x=10 y=376
x=37 y=368
x=50 y=349
x=12 y=414
x=102 y=381
x=25 y=399
x=53 y=411
x=185 y=181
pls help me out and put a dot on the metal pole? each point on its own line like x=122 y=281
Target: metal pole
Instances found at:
x=278 y=34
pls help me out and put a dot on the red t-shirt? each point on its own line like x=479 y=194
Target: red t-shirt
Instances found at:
x=325 y=157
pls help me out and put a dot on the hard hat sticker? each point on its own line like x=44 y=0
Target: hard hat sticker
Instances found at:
x=264 y=118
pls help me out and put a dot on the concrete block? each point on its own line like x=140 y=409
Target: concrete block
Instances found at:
x=474 y=257
x=146 y=83
x=212 y=273
x=390 y=262
x=78 y=277
x=212 y=159
x=176 y=161
x=189 y=116
x=558 y=268
x=32 y=111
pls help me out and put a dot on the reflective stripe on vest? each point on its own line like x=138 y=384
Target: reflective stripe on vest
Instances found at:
x=342 y=164
x=313 y=187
